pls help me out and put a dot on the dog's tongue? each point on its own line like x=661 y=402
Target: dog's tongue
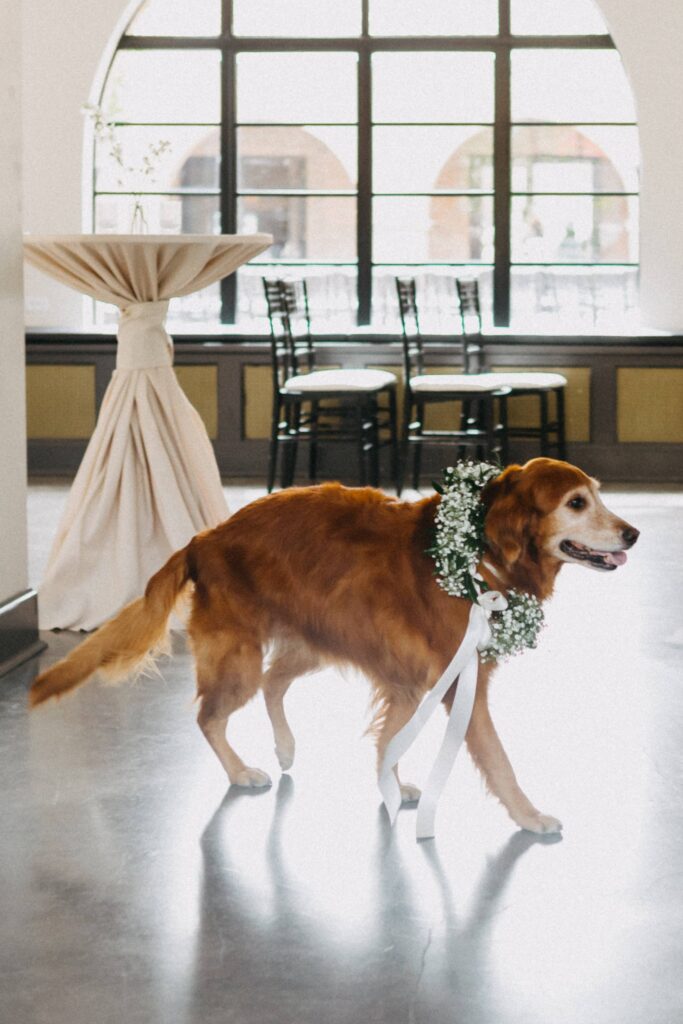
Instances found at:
x=615 y=557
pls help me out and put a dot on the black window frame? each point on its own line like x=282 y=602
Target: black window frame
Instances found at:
x=501 y=45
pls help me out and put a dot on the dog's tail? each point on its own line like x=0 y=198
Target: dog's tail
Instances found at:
x=124 y=643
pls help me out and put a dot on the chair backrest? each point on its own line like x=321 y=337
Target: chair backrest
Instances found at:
x=295 y=298
x=413 y=356
x=283 y=360
x=470 y=320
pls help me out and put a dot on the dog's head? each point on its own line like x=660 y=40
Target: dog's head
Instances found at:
x=552 y=511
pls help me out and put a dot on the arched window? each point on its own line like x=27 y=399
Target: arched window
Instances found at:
x=494 y=138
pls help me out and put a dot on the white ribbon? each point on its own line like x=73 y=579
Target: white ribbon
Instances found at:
x=463 y=664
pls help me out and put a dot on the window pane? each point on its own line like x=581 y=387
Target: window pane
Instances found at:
x=432 y=87
x=191 y=159
x=162 y=214
x=332 y=294
x=203 y=307
x=320 y=157
x=164 y=85
x=161 y=18
x=585 y=296
x=424 y=159
x=429 y=228
x=436 y=296
x=570 y=85
x=303 y=228
x=297 y=18
x=566 y=159
x=433 y=17
x=574 y=229
x=556 y=17
x=297 y=87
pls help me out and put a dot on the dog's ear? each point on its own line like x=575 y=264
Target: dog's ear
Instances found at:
x=507 y=517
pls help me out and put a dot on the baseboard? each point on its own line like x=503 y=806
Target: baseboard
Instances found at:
x=19 y=639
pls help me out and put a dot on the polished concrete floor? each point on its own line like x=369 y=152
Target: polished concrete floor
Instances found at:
x=137 y=888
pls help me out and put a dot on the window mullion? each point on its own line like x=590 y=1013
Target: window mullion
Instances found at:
x=228 y=171
x=364 y=202
x=501 y=202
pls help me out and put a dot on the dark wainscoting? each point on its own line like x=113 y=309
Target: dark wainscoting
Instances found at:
x=19 y=639
x=610 y=402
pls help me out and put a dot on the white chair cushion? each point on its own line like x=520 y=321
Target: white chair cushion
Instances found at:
x=433 y=382
x=340 y=380
x=522 y=379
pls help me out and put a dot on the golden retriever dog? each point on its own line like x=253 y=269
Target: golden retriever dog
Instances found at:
x=330 y=575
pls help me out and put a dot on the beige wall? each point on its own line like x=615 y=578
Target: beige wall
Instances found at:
x=13 y=557
x=64 y=43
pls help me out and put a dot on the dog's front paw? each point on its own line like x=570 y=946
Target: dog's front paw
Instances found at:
x=252 y=778
x=541 y=824
x=284 y=752
x=409 y=794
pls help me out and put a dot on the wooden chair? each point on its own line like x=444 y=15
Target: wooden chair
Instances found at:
x=317 y=406
x=481 y=426
x=550 y=432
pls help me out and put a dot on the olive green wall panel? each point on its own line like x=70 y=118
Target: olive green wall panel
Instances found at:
x=650 y=405
x=60 y=401
x=257 y=383
x=200 y=384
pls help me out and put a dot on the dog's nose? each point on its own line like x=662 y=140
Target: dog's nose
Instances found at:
x=630 y=535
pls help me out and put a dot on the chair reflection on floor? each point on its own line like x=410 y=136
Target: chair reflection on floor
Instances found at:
x=353 y=406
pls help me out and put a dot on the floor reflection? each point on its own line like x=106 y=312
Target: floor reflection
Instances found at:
x=277 y=960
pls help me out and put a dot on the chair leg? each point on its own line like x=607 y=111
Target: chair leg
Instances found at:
x=559 y=410
x=272 y=452
x=360 y=444
x=405 y=443
x=393 y=439
x=372 y=413
x=313 y=444
x=465 y=424
x=417 y=457
x=504 y=439
x=289 y=460
x=482 y=421
x=543 y=399
x=486 y=407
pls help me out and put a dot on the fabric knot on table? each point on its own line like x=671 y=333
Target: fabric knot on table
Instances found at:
x=143 y=340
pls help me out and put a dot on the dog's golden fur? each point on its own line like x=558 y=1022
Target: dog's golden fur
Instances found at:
x=334 y=575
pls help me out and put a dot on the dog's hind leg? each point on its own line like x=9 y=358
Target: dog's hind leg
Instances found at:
x=229 y=673
x=291 y=659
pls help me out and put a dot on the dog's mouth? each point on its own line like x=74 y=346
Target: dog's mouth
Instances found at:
x=608 y=560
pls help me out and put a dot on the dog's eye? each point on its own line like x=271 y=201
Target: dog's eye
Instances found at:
x=577 y=502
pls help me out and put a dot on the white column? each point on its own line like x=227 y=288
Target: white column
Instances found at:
x=18 y=611
x=649 y=37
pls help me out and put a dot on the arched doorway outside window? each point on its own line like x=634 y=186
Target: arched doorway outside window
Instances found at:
x=494 y=138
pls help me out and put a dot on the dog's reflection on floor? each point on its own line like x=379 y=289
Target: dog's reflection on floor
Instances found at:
x=405 y=962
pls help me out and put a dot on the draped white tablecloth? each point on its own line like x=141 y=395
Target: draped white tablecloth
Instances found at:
x=148 y=480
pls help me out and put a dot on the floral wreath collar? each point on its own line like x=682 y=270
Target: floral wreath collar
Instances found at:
x=515 y=618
